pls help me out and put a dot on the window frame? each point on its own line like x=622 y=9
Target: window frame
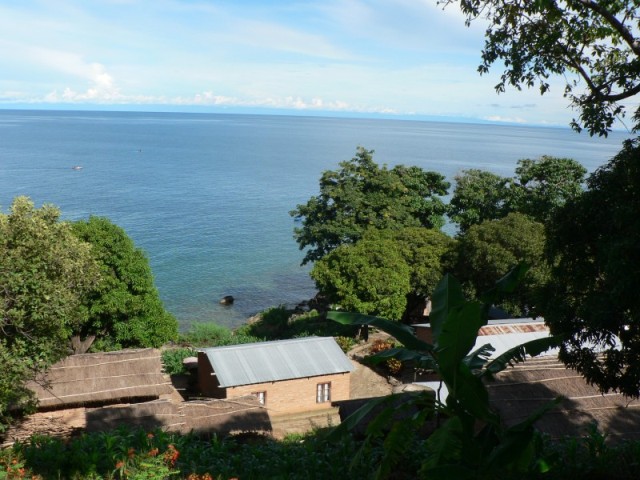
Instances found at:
x=323 y=392
x=261 y=396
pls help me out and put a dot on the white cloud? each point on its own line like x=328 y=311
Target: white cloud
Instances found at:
x=498 y=118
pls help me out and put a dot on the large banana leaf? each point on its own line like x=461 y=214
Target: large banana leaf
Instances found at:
x=519 y=353
x=506 y=284
x=446 y=296
x=420 y=359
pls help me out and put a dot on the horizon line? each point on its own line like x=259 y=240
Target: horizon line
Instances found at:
x=266 y=111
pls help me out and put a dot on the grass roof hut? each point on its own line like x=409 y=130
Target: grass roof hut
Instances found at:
x=96 y=379
x=518 y=391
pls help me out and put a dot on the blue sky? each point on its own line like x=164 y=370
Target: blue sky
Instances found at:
x=408 y=58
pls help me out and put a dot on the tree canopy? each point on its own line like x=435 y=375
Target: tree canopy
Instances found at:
x=386 y=272
x=595 y=43
x=537 y=189
x=362 y=195
x=44 y=273
x=489 y=250
x=593 y=295
x=124 y=309
x=480 y=195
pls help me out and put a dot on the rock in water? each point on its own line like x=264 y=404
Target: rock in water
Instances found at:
x=227 y=300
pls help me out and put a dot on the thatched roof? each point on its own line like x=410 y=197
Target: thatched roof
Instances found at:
x=102 y=378
x=200 y=416
x=518 y=391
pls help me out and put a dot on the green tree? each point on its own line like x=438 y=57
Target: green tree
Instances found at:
x=480 y=195
x=124 y=309
x=370 y=276
x=44 y=272
x=548 y=183
x=587 y=41
x=593 y=296
x=487 y=250
x=362 y=195
x=390 y=271
x=537 y=189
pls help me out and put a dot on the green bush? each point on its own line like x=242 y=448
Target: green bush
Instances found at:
x=172 y=359
x=214 y=335
x=276 y=316
x=128 y=453
x=345 y=343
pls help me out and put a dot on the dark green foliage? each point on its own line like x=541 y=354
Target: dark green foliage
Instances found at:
x=172 y=359
x=370 y=276
x=44 y=272
x=386 y=272
x=125 y=309
x=304 y=457
x=471 y=442
x=96 y=456
x=363 y=195
x=346 y=343
x=587 y=41
x=479 y=196
x=547 y=184
x=493 y=247
x=213 y=335
x=279 y=323
x=537 y=189
x=593 y=296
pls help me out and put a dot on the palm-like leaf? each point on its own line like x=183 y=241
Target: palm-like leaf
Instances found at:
x=403 y=333
x=477 y=359
x=519 y=354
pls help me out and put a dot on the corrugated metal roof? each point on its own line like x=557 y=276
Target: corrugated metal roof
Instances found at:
x=279 y=360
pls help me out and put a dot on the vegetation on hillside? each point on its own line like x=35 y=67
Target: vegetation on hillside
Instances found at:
x=592 y=295
x=61 y=282
x=124 y=309
x=362 y=195
x=45 y=271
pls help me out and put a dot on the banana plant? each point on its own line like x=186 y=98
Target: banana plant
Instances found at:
x=471 y=442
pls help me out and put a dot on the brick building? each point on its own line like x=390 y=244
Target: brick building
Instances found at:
x=287 y=376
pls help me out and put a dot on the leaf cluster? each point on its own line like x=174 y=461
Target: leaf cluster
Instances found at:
x=363 y=195
x=472 y=442
x=592 y=297
x=381 y=272
x=124 y=309
x=594 y=44
x=537 y=189
x=44 y=273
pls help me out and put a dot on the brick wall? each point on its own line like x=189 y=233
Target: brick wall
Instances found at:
x=207 y=382
x=298 y=395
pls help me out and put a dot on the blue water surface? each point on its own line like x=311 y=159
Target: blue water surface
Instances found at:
x=207 y=196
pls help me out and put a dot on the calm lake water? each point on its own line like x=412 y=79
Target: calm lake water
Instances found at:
x=207 y=196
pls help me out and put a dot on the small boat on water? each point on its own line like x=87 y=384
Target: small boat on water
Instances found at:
x=77 y=167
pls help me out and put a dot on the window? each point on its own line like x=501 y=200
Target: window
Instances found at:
x=323 y=392
x=261 y=396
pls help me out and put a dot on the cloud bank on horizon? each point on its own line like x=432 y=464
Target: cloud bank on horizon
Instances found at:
x=395 y=57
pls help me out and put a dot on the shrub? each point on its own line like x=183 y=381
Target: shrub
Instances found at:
x=345 y=343
x=214 y=335
x=393 y=365
x=172 y=359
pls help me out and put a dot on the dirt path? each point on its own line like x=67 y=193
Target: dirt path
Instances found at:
x=365 y=382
